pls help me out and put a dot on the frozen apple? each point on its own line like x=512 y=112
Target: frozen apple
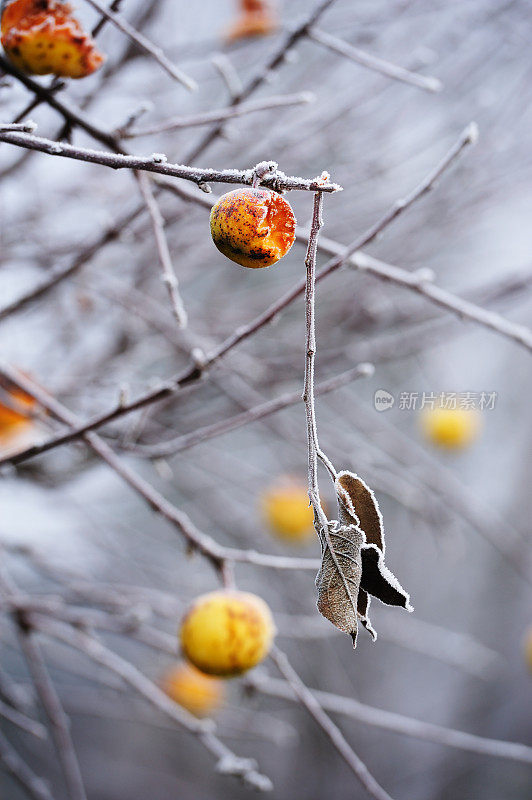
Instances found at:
x=42 y=37
x=253 y=227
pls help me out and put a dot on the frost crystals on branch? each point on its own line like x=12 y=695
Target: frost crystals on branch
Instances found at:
x=353 y=566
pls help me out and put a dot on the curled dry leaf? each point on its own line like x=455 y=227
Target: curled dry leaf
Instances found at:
x=353 y=565
x=338 y=580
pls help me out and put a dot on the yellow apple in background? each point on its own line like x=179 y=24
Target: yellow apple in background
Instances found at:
x=227 y=632
x=287 y=511
x=200 y=694
x=450 y=428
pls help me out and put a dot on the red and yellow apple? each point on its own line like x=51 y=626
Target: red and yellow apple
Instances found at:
x=254 y=227
x=42 y=37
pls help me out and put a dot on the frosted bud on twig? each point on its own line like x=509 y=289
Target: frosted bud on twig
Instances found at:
x=262 y=169
x=123 y=395
x=472 y=133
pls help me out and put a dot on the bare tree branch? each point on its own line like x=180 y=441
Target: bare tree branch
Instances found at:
x=22 y=721
x=157 y=163
x=18 y=127
x=228 y=762
x=262 y=76
x=388 y=720
x=308 y=390
x=144 y=44
x=21 y=772
x=58 y=721
x=309 y=700
x=180 y=443
x=373 y=62
x=198 y=541
x=217 y=115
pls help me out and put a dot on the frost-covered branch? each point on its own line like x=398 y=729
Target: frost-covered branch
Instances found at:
x=158 y=164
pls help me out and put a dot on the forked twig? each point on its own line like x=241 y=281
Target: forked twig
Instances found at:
x=308 y=699
x=227 y=762
x=399 y=723
x=51 y=704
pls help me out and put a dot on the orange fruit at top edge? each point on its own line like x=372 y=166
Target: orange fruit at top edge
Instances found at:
x=253 y=227
x=42 y=37
x=256 y=18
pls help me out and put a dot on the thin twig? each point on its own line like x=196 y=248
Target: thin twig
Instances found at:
x=22 y=721
x=21 y=772
x=59 y=274
x=180 y=443
x=311 y=703
x=51 y=704
x=228 y=73
x=310 y=354
x=469 y=136
x=73 y=115
x=399 y=723
x=56 y=85
x=12 y=692
x=21 y=127
x=217 y=115
x=165 y=259
x=102 y=22
x=156 y=52
x=373 y=62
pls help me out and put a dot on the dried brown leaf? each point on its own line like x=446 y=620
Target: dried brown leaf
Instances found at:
x=338 y=581
x=353 y=560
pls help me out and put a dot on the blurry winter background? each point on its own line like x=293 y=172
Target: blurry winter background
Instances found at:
x=458 y=661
